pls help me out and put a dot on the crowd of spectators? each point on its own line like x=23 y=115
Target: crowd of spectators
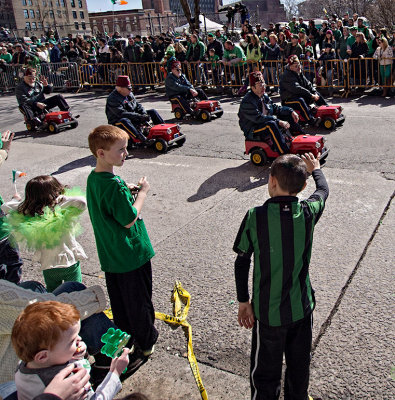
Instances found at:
x=208 y=59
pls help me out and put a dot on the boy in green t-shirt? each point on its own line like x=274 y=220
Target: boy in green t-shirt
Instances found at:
x=123 y=245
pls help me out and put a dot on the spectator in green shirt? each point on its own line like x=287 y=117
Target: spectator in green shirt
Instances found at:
x=5 y=56
x=234 y=60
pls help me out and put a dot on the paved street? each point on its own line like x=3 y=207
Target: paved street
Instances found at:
x=199 y=195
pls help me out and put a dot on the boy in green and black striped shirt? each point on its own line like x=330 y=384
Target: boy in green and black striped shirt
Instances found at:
x=280 y=235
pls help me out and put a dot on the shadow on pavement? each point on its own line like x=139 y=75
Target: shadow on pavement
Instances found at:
x=237 y=177
x=81 y=162
x=28 y=134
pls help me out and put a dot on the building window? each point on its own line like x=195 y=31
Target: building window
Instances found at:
x=76 y=25
x=58 y=3
x=59 y=12
x=82 y=15
x=83 y=25
x=80 y=3
x=24 y=2
x=28 y=26
x=34 y=26
x=50 y=13
x=40 y=25
x=37 y=14
x=44 y=3
x=32 y=14
x=62 y=3
x=26 y=13
x=75 y=14
x=29 y=2
x=72 y=3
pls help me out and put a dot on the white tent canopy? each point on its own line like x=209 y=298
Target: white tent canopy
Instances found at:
x=210 y=25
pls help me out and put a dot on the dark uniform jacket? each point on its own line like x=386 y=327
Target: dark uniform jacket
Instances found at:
x=132 y=53
x=177 y=86
x=293 y=85
x=251 y=114
x=30 y=95
x=118 y=106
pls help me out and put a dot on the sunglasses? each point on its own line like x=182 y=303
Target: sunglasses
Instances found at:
x=178 y=69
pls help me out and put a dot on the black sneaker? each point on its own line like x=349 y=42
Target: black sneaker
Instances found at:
x=136 y=360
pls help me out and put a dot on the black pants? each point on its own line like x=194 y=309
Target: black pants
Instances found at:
x=268 y=346
x=133 y=129
x=51 y=102
x=183 y=100
x=294 y=127
x=271 y=129
x=130 y=296
x=10 y=262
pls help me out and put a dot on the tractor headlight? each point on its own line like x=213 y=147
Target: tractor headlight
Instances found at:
x=323 y=140
x=169 y=131
x=179 y=127
x=60 y=116
x=211 y=105
x=317 y=145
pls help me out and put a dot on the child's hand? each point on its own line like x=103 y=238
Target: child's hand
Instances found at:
x=6 y=138
x=119 y=364
x=312 y=163
x=144 y=185
x=17 y=196
x=134 y=189
x=246 y=315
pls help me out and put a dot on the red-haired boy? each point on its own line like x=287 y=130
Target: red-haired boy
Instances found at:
x=45 y=337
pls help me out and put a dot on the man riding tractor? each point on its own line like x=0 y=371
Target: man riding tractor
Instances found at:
x=31 y=99
x=260 y=119
x=297 y=91
x=180 y=90
x=123 y=110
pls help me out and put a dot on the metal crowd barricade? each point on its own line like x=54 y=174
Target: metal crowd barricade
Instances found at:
x=140 y=74
x=10 y=76
x=61 y=75
x=367 y=73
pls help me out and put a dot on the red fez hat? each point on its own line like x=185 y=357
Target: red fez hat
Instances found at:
x=256 y=77
x=293 y=59
x=175 y=64
x=123 y=81
x=30 y=71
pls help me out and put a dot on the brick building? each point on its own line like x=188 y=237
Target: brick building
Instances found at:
x=136 y=21
x=34 y=17
x=206 y=6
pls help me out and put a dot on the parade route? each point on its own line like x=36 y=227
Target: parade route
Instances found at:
x=199 y=195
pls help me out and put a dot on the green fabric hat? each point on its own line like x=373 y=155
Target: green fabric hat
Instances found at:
x=308 y=48
x=211 y=35
x=353 y=28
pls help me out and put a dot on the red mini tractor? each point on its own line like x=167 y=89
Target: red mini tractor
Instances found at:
x=52 y=121
x=160 y=137
x=203 y=109
x=331 y=116
x=262 y=151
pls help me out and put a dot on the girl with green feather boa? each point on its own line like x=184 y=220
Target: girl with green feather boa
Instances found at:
x=46 y=222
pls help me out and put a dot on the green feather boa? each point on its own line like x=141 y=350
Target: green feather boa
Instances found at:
x=46 y=230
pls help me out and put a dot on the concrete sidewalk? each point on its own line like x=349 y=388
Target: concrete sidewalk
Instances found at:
x=192 y=214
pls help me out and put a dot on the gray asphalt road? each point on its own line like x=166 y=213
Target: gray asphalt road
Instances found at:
x=199 y=194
